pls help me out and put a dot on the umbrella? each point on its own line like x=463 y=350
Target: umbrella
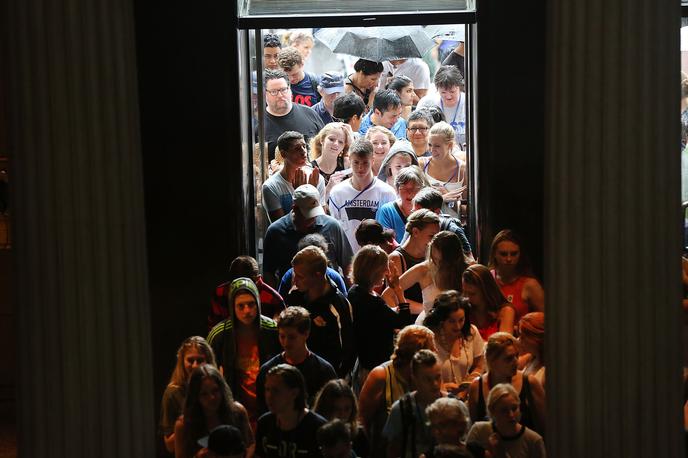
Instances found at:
x=377 y=43
x=447 y=32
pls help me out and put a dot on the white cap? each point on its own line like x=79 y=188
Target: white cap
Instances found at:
x=307 y=198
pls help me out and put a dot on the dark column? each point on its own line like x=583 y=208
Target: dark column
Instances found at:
x=511 y=79
x=81 y=281
x=613 y=226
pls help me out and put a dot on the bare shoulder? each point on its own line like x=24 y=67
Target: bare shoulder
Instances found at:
x=532 y=283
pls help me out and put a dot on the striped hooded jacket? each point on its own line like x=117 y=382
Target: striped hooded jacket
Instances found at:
x=223 y=340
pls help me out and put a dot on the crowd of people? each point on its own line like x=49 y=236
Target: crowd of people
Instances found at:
x=371 y=330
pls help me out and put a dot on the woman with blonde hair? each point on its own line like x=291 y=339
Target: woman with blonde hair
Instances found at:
x=505 y=435
x=531 y=345
x=390 y=381
x=330 y=152
x=302 y=41
x=491 y=311
x=382 y=140
x=193 y=352
x=445 y=171
x=501 y=356
x=511 y=269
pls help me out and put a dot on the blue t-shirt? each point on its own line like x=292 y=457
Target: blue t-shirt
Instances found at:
x=285 y=284
x=398 y=129
x=389 y=217
x=305 y=92
x=323 y=113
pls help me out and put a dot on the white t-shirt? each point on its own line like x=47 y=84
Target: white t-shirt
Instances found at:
x=415 y=68
x=456 y=115
x=455 y=366
x=278 y=192
x=351 y=206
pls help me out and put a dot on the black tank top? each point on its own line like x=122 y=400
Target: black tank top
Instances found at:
x=407 y=261
x=524 y=396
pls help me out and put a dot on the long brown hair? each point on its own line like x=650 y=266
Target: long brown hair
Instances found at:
x=480 y=276
x=328 y=394
x=447 y=275
x=195 y=425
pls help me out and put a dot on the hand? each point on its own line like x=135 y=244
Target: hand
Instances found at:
x=459 y=49
x=299 y=178
x=392 y=276
x=451 y=196
x=314 y=179
x=202 y=453
x=450 y=387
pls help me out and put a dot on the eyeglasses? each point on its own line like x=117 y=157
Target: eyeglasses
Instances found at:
x=418 y=129
x=274 y=92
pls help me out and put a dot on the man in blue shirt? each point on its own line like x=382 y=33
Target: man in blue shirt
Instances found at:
x=386 y=112
x=304 y=86
x=331 y=86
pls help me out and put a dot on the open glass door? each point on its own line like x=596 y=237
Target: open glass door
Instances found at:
x=447 y=24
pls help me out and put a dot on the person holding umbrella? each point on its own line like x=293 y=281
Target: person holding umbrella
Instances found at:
x=363 y=82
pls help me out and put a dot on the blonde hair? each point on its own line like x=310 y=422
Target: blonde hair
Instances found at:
x=498 y=392
x=367 y=264
x=383 y=130
x=294 y=38
x=421 y=218
x=179 y=376
x=442 y=129
x=497 y=345
x=312 y=256
x=317 y=141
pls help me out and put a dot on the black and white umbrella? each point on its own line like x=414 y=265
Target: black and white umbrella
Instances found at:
x=377 y=43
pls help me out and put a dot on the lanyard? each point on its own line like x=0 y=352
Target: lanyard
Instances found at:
x=458 y=105
x=356 y=197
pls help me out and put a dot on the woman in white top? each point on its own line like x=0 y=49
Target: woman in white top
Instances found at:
x=445 y=171
x=441 y=271
x=459 y=345
x=330 y=153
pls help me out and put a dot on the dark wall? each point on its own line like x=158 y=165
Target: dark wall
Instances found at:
x=191 y=149
x=511 y=78
x=189 y=108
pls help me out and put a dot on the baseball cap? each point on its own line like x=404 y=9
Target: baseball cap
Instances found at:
x=224 y=440
x=331 y=82
x=307 y=198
